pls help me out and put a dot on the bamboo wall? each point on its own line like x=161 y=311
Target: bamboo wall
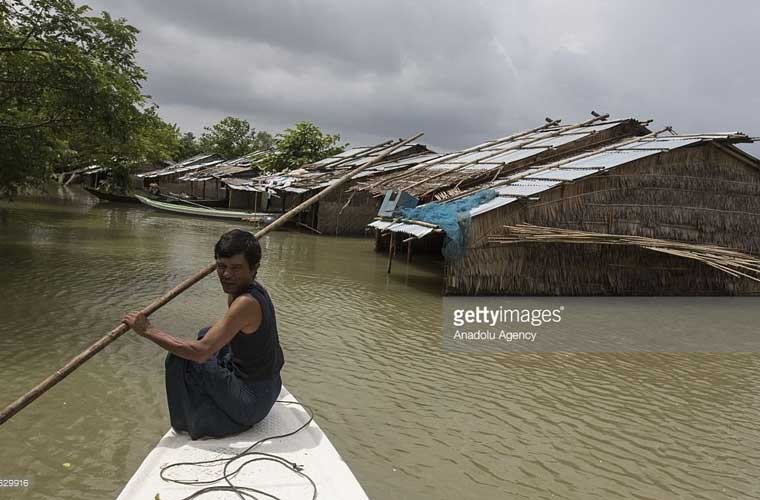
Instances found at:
x=335 y=218
x=698 y=194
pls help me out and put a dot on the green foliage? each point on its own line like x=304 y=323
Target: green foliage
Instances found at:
x=70 y=94
x=302 y=144
x=262 y=141
x=234 y=137
x=188 y=147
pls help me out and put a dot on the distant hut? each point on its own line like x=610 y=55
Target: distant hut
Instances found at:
x=656 y=215
x=278 y=192
x=207 y=183
x=168 y=178
x=92 y=175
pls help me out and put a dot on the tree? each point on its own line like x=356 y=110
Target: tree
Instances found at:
x=188 y=147
x=70 y=94
x=263 y=141
x=302 y=144
x=234 y=137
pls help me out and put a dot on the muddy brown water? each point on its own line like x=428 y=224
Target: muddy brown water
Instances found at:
x=363 y=349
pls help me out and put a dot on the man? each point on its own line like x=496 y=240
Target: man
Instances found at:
x=229 y=378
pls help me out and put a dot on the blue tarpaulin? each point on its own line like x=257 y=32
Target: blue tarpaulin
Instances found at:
x=451 y=216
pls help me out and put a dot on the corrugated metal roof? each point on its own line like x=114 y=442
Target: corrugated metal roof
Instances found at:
x=242 y=185
x=664 y=143
x=609 y=159
x=477 y=155
x=495 y=203
x=413 y=229
x=518 y=154
x=535 y=180
x=402 y=227
x=215 y=172
x=322 y=173
x=380 y=224
x=194 y=163
x=560 y=140
x=564 y=174
x=526 y=187
x=490 y=156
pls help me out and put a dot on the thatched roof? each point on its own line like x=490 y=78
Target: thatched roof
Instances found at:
x=443 y=175
x=193 y=163
x=320 y=174
x=238 y=166
x=531 y=182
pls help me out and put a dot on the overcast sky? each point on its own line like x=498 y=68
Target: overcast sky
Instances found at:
x=460 y=71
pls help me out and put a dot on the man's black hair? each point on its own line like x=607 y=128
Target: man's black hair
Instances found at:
x=239 y=241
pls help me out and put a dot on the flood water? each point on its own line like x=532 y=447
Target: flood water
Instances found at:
x=363 y=349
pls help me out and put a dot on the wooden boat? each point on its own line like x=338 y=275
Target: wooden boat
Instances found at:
x=121 y=198
x=309 y=448
x=171 y=198
x=130 y=198
x=188 y=209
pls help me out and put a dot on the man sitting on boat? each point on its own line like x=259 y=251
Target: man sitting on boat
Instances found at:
x=229 y=378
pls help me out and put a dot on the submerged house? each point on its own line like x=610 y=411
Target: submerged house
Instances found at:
x=279 y=192
x=448 y=174
x=208 y=182
x=654 y=215
x=93 y=175
x=168 y=178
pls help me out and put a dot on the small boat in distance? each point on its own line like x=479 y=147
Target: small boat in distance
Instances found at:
x=119 y=198
x=130 y=198
x=192 y=209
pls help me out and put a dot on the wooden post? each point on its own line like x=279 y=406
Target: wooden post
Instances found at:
x=391 y=247
x=122 y=328
x=409 y=252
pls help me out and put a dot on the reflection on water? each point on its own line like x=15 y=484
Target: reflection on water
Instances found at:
x=363 y=348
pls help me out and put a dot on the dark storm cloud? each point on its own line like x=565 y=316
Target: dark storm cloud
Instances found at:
x=461 y=72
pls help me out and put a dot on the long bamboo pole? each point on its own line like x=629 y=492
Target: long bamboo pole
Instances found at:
x=122 y=328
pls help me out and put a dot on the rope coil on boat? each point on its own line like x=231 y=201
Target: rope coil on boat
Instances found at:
x=244 y=491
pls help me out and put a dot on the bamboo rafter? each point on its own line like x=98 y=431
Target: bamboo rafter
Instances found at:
x=453 y=156
x=550 y=166
x=513 y=147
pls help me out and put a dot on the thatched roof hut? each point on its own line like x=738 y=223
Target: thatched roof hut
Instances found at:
x=207 y=182
x=447 y=175
x=281 y=191
x=655 y=215
x=168 y=177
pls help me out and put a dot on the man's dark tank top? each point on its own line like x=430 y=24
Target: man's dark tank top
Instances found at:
x=258 y=355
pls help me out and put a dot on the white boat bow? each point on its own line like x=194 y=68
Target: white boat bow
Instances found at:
x=309 y=448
